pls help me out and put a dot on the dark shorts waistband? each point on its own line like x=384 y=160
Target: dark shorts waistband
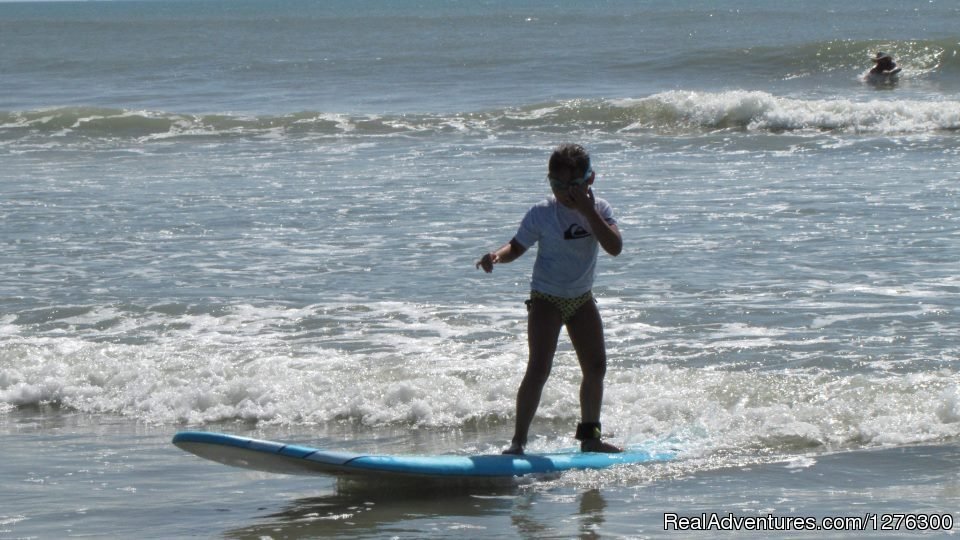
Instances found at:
x=567 y=306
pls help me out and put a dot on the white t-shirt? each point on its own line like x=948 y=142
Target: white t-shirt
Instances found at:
x=567 y=255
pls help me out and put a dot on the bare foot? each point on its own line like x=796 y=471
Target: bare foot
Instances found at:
x=596 y=445
x=515 y=449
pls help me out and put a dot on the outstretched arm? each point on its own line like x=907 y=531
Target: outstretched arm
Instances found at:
x=508 y=253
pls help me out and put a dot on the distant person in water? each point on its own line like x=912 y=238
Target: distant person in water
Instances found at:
x=569 y=227
x=883 y=64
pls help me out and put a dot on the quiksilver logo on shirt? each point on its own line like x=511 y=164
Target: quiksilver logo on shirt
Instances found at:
x=574 y=232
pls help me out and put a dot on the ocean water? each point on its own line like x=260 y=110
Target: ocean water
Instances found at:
x=262 y=218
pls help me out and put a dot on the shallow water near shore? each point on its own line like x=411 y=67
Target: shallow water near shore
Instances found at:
x=81 y=476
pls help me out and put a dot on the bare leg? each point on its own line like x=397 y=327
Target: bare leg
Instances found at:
x=585 y=329
x=543 y=329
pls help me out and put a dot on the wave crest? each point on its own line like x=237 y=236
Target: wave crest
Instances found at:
x=674 y=112
x=760 y=111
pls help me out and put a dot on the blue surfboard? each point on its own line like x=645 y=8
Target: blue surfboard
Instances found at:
x=278 y=457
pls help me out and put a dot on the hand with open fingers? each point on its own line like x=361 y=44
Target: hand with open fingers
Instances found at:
x=582 y=198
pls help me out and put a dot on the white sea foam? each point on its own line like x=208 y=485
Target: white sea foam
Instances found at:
x=801 y=462
x=757 y=110
x=406 y=364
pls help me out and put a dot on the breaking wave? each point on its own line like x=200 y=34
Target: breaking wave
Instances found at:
x=674 y=112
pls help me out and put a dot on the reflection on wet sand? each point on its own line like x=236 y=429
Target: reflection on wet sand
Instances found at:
x=365 y=510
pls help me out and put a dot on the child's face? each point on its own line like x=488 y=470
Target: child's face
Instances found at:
x=563 y=181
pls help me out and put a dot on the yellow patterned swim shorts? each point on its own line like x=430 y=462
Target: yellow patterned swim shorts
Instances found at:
x=566 y=306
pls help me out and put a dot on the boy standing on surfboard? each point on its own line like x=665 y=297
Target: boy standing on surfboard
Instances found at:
x=570 y=226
